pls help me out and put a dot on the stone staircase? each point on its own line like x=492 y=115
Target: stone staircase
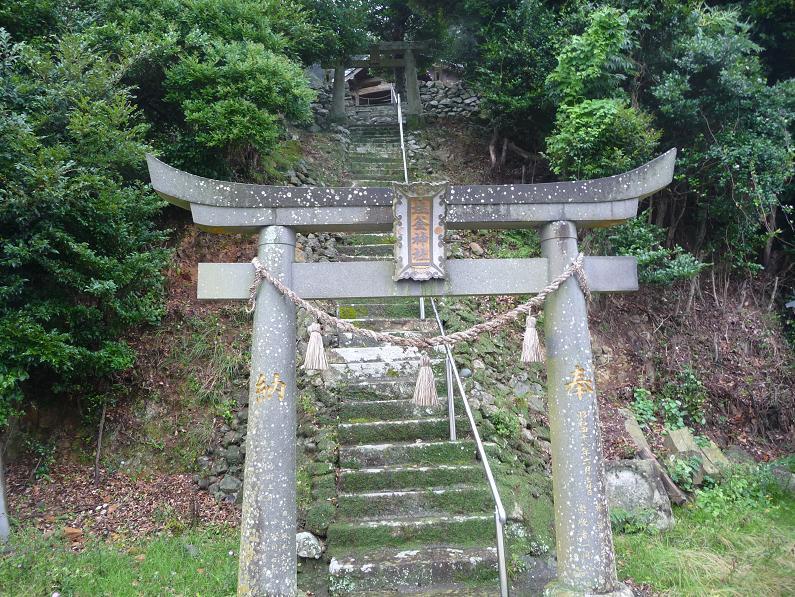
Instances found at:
x=414 y=512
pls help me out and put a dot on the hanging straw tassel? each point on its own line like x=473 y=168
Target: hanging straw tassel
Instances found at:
x=425 y=390
x=532 y=351
x=315 y=359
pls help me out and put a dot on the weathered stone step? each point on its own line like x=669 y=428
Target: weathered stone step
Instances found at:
x=426 y=502
x=426 y=429
x=347 y=258
x=385 y=389
x=377 y=169
x=373 y=183
x=409 y=477
x=399 y=325
x=374 y=354
x=348 y=339
x=392 y=572
x=375 y=310
x=447 y=590
x=462 y=529
x=390 y=410
x=371 y=159
x=408 y=453
x=358 y=250
x=365 y=239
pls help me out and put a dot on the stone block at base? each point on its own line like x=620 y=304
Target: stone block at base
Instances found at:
x=556 y=589
x=634 y=486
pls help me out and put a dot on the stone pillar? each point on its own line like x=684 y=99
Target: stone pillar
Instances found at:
x=586 y=562
x=268 y=526
x=413 y=103
x=338 y=95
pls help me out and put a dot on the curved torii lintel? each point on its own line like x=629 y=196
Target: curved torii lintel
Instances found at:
x=232 y=207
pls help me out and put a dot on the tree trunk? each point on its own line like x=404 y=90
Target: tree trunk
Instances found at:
x=5 y=529
x=99 y=445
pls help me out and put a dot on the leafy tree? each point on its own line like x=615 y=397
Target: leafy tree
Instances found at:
x=713 y=101
x=80 y=259
x=515 y=55
x=341 y=26
x=190 y=61
x=600 y=137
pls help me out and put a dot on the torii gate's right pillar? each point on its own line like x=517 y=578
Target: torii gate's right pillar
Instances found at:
x=585 y=559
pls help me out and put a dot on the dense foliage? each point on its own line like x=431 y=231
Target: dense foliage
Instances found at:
x=86 y=90
x=80 y=258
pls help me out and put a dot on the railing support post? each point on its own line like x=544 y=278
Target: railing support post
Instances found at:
x=448 y=369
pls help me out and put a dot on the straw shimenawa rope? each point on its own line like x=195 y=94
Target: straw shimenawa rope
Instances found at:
x=575 y=268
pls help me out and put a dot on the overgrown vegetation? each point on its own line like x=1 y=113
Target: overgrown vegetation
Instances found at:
x=735 y=540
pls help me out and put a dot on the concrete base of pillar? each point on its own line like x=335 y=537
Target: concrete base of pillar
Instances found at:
x=556 y=589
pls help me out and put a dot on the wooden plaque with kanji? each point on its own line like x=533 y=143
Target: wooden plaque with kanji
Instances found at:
x=419 y=210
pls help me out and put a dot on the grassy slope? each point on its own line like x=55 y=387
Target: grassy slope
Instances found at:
x=741 y=552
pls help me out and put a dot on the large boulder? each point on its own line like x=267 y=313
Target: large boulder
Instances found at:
x=634 y=487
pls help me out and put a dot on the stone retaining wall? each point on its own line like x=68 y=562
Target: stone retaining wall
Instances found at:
x=446 y=100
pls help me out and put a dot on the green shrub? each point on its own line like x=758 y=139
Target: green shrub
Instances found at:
x=682 y=471
x=688 y=393
x=80 y=258
x=623 y=521
x=599 y=137
x=643 y=406
x=506 y=424
x=657 y=264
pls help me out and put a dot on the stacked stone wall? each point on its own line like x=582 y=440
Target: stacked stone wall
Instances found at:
x=446 y=100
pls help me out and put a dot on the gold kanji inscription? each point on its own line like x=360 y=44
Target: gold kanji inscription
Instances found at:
x=420 y=234
x=266 y=391
x=581 y=383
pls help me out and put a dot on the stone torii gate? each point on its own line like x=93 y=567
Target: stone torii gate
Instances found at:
x=382 y=54
x=585 y=558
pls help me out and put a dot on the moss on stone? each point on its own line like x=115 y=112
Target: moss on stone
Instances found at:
x=319 y=516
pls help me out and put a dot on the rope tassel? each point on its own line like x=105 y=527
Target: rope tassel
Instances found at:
x=532 y=351
x=425 y=390
x=315 y=359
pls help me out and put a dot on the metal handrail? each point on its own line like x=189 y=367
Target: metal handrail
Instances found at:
x=499 y=511
x=396 y=100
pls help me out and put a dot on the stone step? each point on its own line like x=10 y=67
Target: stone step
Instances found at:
x=359 y=250
x=409 y=477
x=409 y=532
x=446 y=590
x=397 y=325
x=365 y=239
x=347 y=258
x=408 y=453
x=384 y=184
x=426 y=502
x=374 y=354
x=427 y=429
x=357 y=158
x=348 y=339
x=392 y=410
x=377 y=169
x=375 y=310
x=424 y=571
x=386 y=389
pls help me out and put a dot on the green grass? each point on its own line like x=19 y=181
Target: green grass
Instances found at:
x=743 y=551
x=199 y=562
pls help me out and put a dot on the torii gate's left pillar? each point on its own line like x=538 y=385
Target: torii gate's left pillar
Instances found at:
x=268 y=525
